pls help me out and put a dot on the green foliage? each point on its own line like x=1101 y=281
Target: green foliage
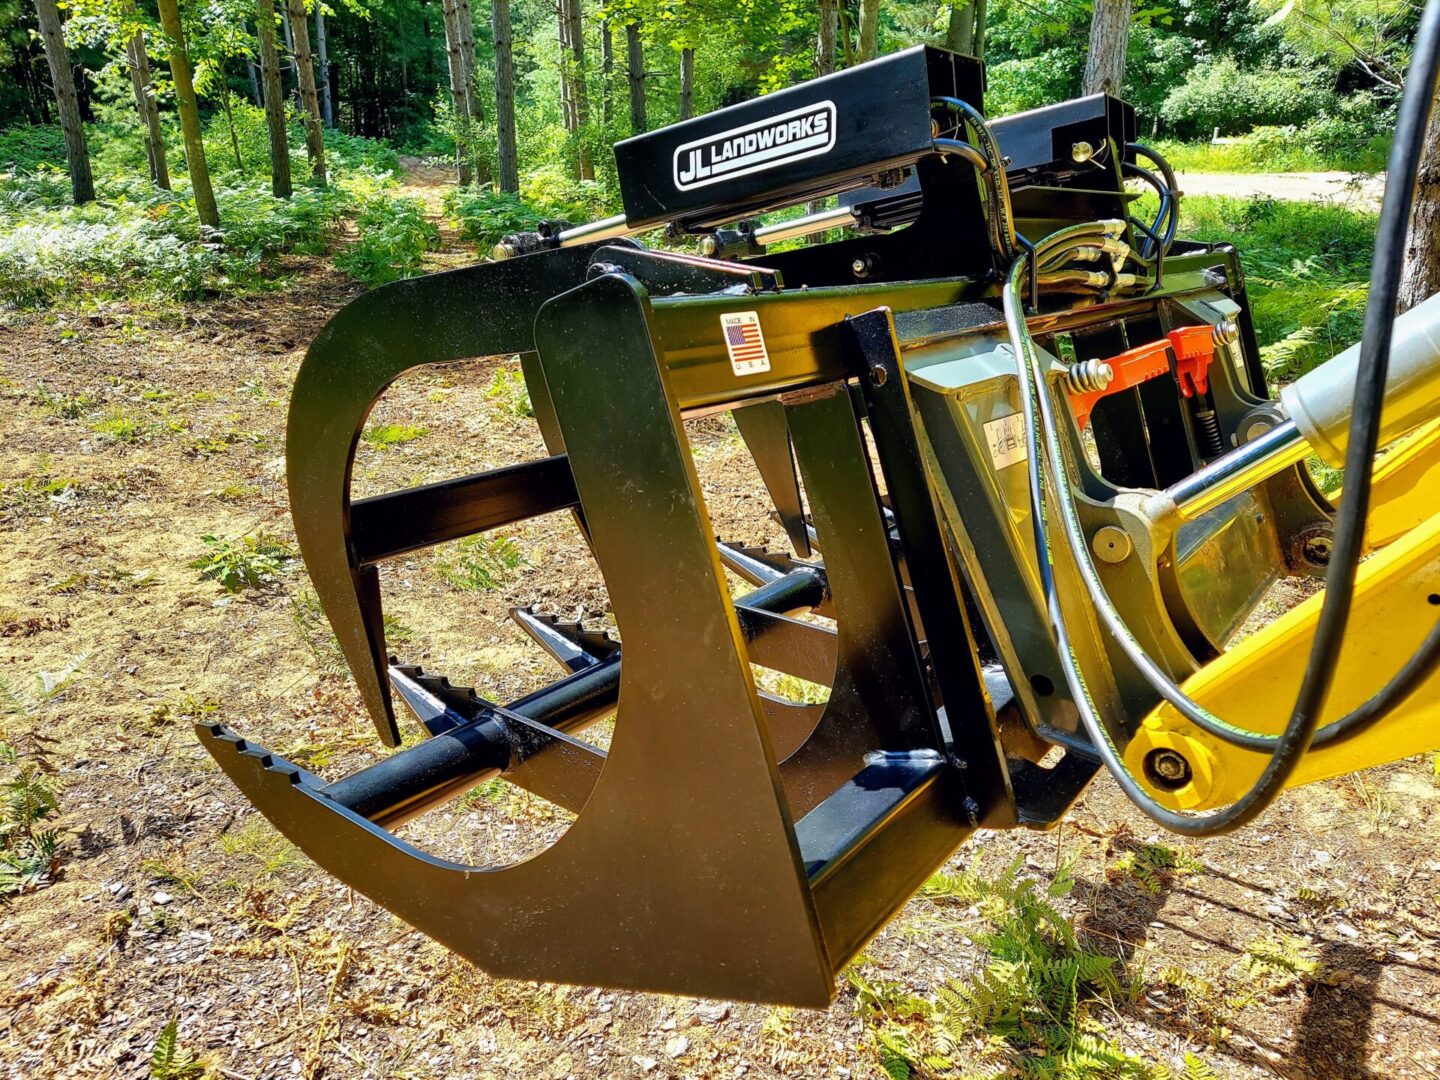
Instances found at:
x=1153 y=866
x=1218 y=94
x=27 y=148
x=244 y=562
x=394 y=236
x=485 y=216
x=1307 y=270
x=547 y=193
x=168 y=1061
x=1030 y=1012
x=29 y=855
x=479 y=563
x=508 y=390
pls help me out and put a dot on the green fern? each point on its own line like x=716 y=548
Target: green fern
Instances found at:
x=168 y=1061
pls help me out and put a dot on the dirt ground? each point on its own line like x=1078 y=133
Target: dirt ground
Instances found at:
x=175 y=901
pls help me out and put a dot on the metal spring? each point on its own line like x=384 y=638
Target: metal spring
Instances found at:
x=1227 y=330
x=1088 y=376
x=1207 y=433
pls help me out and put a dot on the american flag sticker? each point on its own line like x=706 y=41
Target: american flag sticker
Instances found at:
x=745 y=343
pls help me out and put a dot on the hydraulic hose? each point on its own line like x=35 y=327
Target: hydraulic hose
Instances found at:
x=1288 y=748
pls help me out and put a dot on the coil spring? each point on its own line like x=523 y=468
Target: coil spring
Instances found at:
x=1207 y=433
x=1226 y=331
x=1088 y=376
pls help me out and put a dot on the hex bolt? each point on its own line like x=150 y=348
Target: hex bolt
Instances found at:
x=1111 y=544
x=1167 y=769
x=878 y=374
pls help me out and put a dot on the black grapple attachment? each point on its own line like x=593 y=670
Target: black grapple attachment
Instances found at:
x=733 y=843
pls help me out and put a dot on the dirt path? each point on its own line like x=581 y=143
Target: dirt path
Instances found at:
x=1358 y=190
x=176 y=901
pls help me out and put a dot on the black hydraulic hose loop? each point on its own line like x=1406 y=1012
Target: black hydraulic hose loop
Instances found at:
x=1290 y=747
x=1171 y=185
x=998 y=182
x=1152 y=231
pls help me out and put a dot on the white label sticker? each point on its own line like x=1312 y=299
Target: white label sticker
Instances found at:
x=745 y=342
x=765 y=144
x=1006 y=439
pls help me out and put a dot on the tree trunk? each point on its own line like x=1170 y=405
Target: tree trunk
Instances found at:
x=189 y=110
x=139 y=65
x=687 y=83
x=825 y=39
x=1109 y=37
x=607 y=70
x=280 y=182
x=290 y=46
x=230 y=122
x=1421 y=277
x=869 y=29
x=322 y=54
x=508 y=162
x=846 y=50
x=573 y=40
x=309 y=99
x=965 y=33
x=458 y=97
x=474 y=103
x=67 y=105
x=252 y=73
x=635 y=67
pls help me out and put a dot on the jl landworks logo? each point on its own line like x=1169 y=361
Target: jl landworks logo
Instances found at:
x=765 y=144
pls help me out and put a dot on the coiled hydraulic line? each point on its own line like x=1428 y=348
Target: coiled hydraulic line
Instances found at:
x=1048 y=457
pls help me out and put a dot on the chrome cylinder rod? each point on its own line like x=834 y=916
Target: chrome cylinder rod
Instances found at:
x=840 y=217
x=1278 y=449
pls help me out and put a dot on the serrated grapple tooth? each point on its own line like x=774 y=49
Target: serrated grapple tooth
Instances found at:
x=434 y=701
x=570 y=642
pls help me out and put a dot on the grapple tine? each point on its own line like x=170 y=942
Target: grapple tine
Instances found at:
x=568 y=642
x=766 y=433
x=483 y=310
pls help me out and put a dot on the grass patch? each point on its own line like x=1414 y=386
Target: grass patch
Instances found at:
x=384 y=436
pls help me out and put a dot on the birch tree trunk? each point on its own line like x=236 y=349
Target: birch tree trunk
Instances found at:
x=869 y=29
x=607 y=71
x=139 y=65
x=458 y=97
x=280 y=183
x=1109 y=37
x=505 y=95
x=252 y=74
x=322 y=54
x=687 y=83
x=67 y=105
x=309 y=99
x=1421 y=277
x=189 y=110
x=635 y=70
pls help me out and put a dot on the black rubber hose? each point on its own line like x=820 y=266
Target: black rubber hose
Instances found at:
x=1369 y=395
